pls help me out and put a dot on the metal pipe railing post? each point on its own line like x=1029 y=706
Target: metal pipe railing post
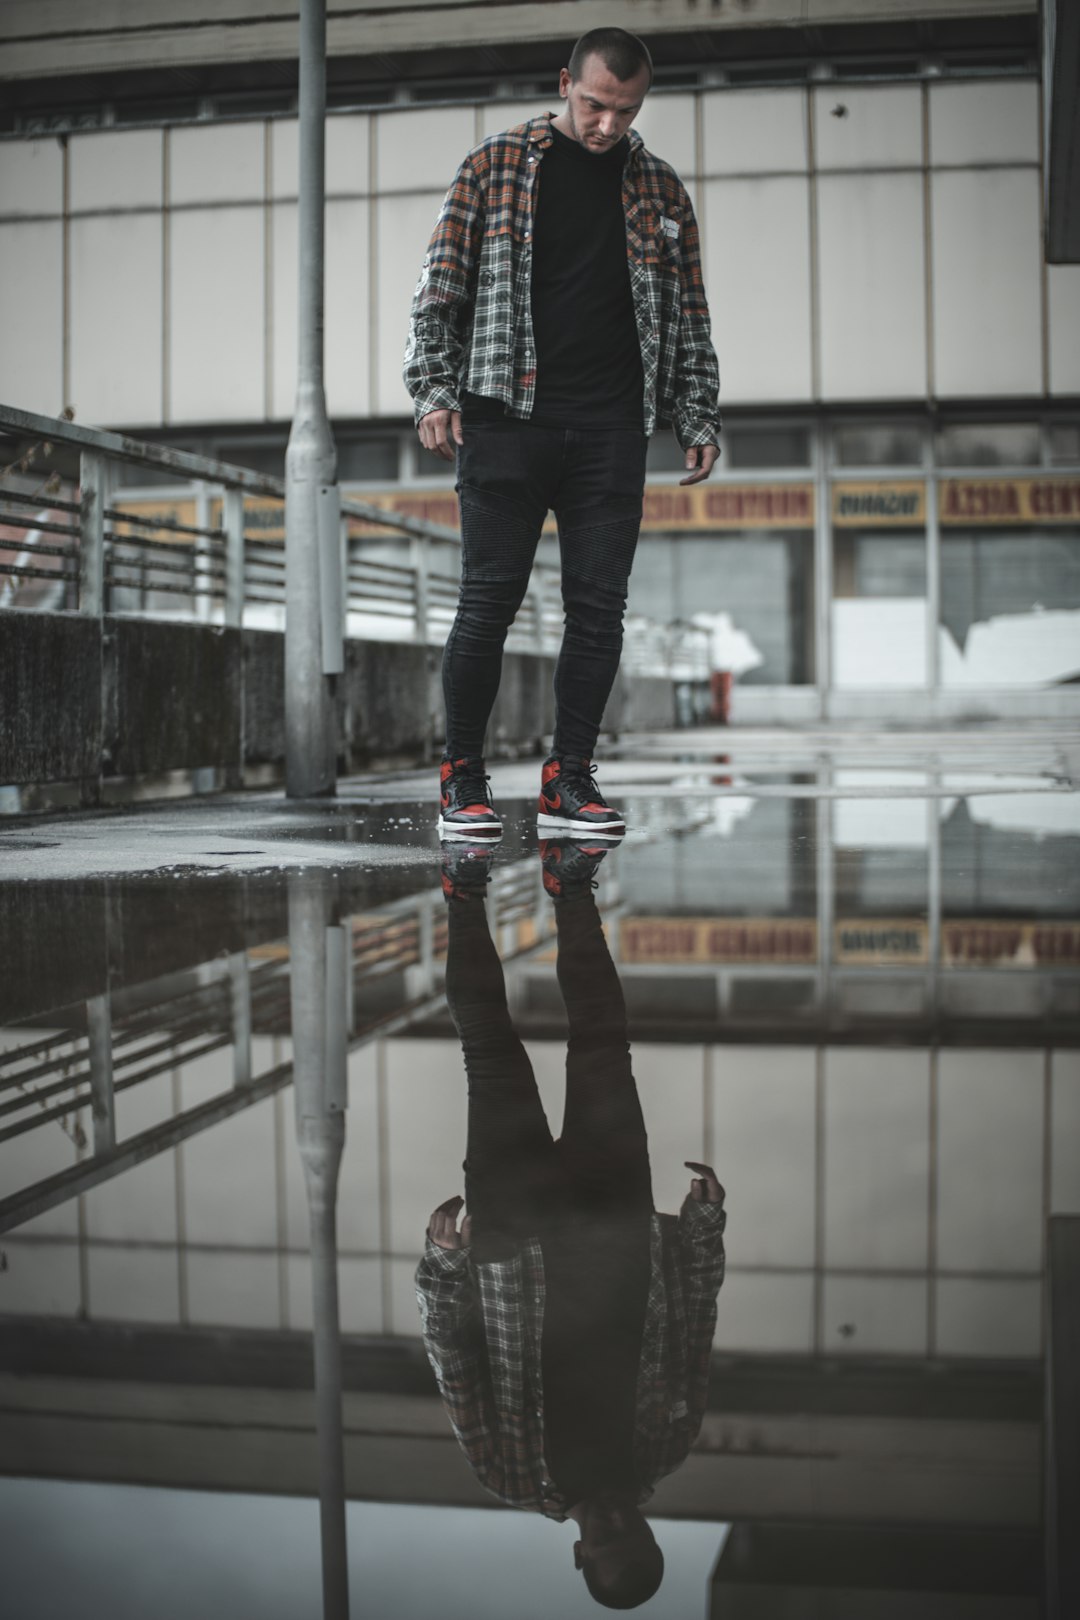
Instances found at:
x=94 y=497
x=232 y=521
x=311 y=459
x=419 y=559
x=102 y=1097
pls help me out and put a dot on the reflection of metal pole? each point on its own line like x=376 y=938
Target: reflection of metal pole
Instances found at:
x=310 y=460
x=319 y=1057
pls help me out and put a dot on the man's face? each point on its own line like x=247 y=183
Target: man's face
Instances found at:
x=599 y=107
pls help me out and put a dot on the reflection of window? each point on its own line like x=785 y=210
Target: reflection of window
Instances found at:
x=877 y=445
x=987 y=444
x=1010 y=601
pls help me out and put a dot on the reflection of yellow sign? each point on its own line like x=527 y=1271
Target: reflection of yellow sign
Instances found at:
x=981 y=501
x=169 y=510
x=879 y=505
x=994 y=943
x=878 y=941
x=789 y=941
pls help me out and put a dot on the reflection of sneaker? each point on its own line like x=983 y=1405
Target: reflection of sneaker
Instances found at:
x=465 y=807
x=570 y=865
x=571 y=802
x=466 y=869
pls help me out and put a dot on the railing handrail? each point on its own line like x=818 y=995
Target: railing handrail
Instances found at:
x=163 y=458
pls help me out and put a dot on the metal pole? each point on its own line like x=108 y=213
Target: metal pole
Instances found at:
x=102 y=1100
x=311 y=459
x=317 y=965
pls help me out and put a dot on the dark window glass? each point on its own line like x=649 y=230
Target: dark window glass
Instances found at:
x=765 y=447
x=877 y=445
x=266 y=458
x=370 y=461
x=665 y=455
x=1064 y=444
x=987 y=444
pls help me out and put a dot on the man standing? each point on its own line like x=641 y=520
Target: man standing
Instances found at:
x=559 y=318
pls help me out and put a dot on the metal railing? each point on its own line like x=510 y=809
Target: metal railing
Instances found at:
x=94 y=547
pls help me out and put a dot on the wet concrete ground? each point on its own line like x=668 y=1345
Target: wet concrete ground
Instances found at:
x=851 y=971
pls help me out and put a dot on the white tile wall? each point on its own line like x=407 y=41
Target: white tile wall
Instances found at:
x=116 y=169
x=757 y=236
x=31 y=178
x=989 y=122
x=496 y=116
x=763 y=1152
x=348 y=311
x=31 y=316
x=283 y=314
x=228 y=1180
x=990 y=1112
x=754 y=131
x=666 y=125
x=404 y=226
x=987 y=282
x=426 y=1124
x=133 y=1285
x=421 y=150
x=877 y=1158
x=216 y=334
x=116 y=319
x=217 y=163
x=230 y=1289
x=864 y=1316
x=765 y=1313
x=880 y=127
x=873 y=286
x=988 y=1318
x=40 y=1279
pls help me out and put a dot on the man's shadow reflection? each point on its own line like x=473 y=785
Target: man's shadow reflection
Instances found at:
x=568 y=1324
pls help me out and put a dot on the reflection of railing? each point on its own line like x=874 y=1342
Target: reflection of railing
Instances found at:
x=204 y=548
x=124 y=1040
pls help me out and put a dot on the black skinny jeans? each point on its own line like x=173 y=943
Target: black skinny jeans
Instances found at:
x=510 y=475
x=518 y=1180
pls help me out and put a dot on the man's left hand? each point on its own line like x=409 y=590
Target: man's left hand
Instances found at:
x=700 y=460
x=705 y=1189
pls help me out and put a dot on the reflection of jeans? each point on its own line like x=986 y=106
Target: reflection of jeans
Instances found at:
x=509 y=475
x=518 y=1181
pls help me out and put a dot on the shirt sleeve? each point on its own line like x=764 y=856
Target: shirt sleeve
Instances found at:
x=701 y=1253
x=696 y=409
x=440 y=320
x=454 y=1340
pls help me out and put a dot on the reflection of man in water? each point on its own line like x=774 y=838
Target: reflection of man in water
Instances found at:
x=569 y=1326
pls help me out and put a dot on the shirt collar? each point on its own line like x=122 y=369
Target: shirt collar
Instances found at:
x=540 y=134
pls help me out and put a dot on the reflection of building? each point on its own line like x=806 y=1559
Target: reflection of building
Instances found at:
x=897 y=520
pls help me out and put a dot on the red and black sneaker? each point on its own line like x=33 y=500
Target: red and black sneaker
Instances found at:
x=571 y=802
x=570 y=865
x=465 y=807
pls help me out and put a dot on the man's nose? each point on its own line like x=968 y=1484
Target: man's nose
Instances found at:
x=608 y=124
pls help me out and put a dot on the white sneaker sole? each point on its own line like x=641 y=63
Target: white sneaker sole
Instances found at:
x=487 y=834
x=609 y=829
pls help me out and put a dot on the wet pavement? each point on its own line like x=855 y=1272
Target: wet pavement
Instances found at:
x=247 y=1045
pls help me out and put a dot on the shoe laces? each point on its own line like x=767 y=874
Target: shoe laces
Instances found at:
x=582 y=775
x=471 y=777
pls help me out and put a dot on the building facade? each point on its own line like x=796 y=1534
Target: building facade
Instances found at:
x=894 y=528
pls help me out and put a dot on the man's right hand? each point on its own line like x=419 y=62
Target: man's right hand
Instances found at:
x=443 y=1228
x=439 y=431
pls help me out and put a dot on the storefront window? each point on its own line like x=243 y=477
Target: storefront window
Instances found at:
x=879 y=584
x=877 y=445
x=368 y=461
x=987 y=444
x=1010 y=581
x=746 y=447
x=1063 y=444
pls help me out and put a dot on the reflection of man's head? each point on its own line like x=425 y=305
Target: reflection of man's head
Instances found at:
x=618 y=1555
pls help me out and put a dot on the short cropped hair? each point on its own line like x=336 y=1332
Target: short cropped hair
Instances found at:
x=635 y=1583
x=623 y=54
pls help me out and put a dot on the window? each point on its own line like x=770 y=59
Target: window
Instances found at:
x=877 y=445
x=987 y=444
x=368 y=461
x=747 y=447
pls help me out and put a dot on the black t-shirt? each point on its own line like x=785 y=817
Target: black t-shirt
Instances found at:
x=588 y=355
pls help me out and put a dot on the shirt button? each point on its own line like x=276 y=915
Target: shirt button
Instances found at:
x=527 y=235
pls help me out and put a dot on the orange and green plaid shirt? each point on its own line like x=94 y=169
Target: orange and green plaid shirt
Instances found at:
x=470 y=328
x=483 y=1330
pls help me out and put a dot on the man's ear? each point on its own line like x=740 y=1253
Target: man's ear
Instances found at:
x=579 y=1561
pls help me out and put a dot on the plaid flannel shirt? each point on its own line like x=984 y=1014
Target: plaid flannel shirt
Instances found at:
x=483 y=1329
x=471 y=323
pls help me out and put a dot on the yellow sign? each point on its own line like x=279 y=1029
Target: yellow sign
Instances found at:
x=729 y=506
x=983 y=501
x=171 y=509
x=879 y=506
x=1003 y=944
x=680 y=941
x=879 y=942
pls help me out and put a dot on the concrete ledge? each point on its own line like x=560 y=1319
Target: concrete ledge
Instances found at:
x=175 y=696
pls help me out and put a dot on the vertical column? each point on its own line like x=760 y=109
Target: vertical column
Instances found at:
x=933 y=572
x=823 y=573
x=418 y=559
x=94 y=495
x=233 y=524
x=240 y=1010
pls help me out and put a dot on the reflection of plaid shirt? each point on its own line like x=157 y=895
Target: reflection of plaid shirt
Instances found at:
x=483 y=1327
x=471 y=324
